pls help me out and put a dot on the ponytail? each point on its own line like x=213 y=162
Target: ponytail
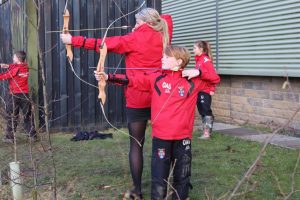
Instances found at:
x=153 y=19
x=206 y=48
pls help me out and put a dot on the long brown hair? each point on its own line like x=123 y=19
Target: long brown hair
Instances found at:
x=153 y=19
x=206 y=48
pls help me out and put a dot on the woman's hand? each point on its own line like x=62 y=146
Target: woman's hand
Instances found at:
x=190 y=73
x=66 y=38
x=100 y=76
x=2 y=65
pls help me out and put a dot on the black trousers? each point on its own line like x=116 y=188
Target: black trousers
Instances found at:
x=14 y=104
x=166 y=154
x=204 y=104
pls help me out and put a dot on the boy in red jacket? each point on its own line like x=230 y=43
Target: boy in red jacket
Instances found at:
x=173 y=103
x=17 y=75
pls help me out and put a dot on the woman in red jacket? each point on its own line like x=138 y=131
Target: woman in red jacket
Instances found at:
x=143 y=48
x=204 y=62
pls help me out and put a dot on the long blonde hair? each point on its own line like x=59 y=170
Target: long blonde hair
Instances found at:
x=153 y=19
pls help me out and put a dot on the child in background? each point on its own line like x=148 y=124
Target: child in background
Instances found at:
x=173 y=103
x=204 y=62
x=17 y=74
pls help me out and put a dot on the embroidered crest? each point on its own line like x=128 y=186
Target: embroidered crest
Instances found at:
x=181 y=91
x=161 y=153
x=206 y=59
x=167 y=87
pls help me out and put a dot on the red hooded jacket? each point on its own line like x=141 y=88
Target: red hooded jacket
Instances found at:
x=17 y=75
x=173 y=101
x=142 y=48
x=208 y=73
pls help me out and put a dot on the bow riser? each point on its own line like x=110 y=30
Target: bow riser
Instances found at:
x=100 y=68
x=66 y=30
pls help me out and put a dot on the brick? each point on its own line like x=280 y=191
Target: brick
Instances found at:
x=237 y=91
x=264 y=94
x=223 y=119
x=253 y=85
x=239 y=100
x=225 y=81
x=242 y=108
x=220 y=104
x=284 y=105
x=236 y=82
x=255 y=102
x=219 y=97
x=276 y=96
x=292 y=97
x=223 y=90
x=221 y=112
x=240 y=115
x=248 y=84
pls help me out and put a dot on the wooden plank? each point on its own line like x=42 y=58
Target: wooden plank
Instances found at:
x=55 y=67
x=91 y=63
x=77 y=61
x=83 y=66
x=62 y=67
x=48 y=57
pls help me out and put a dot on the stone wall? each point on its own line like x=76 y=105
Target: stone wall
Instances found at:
x=257 y=101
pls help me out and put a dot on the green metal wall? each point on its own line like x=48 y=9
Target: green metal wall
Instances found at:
x=193 y=20
x=249 y=37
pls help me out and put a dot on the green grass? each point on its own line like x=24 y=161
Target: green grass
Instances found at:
x=99 y=169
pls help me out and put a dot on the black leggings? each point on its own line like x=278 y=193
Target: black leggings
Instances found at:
x=136 y=160
x=204 y=104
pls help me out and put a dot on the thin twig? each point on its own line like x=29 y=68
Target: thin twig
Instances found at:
x=293 y=179
x=278 y=184
x=262 y=152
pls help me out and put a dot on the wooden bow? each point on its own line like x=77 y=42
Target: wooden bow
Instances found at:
x=100 y=68
x=66 y=30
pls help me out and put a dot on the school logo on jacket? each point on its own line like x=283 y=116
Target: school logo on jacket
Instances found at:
x=161 y=153
x=24 y=75
x=206 y=59
x=167 y=87
x=181 y=91
x=202 y=98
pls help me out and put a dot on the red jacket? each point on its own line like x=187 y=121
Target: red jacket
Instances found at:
x=142 y=48
x=208 y=73
x=173 y=102
x=17 y=75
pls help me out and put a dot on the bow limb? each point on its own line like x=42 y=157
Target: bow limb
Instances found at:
x=100 y=68
x=66 y=30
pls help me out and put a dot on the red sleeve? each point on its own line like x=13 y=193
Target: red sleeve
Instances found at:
x=200 y=85
x=209 y=74
x=12 y=72
x=117 y=44
x=168 y=19
x=142 y=83
x=118 y=79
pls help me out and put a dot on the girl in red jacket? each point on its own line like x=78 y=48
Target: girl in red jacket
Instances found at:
x=204 y=62
x=143 y=49
x=173 y=103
